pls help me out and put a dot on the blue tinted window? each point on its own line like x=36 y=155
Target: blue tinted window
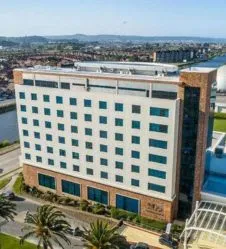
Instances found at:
x=63 y=165
x=46 y=98
x=158 y=143
x=118 y=178
x=61 y=140
x=22 y=95
x=135 y=124
x=24 y=120
x=60 y=113
x=73 y=115
x=62 y=152
x=135 y=154
x=158 y=127
x=46 y=181
x=60 y=127
x=33 y=96
x=26 y=144
x=156 y=187
x=135 y=140
x=157 y=173
x=118 y=137
x=59 y=100
x=89 y=145
x=74 y=142
x=37 y=135
x=88 y=132
x=70 y=188
x=50 y=162
x=38 y=147
x=89 y=171
x=103 y=134
x=157 y=159
x=48 y=124
x=75 y=155
x=74 y=129
x=73 y=101
x=97 y=195
x=88 y=117
x=49 y=137
x=89 y=158
x=25 y=132
x=126 y=203
x=135 y=182
x=119 y=107
x=103 y=120
x=135 y=168
x=49 y=149
x=87 y=103
x=118 y=165
x=162 y=112
x=35 y=122
x=103 y=148
x=104 y=175
x=38 y=159
x=118 y=122
x=34 y=109
x=102 y=105
x=47 y=111
x=119 y=151
x=27 y=156
x=23 y=108
x=76 y=168
x=103 y=161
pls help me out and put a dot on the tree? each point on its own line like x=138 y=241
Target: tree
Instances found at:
x=102 y=235
x=48 y=225
x=7 y=208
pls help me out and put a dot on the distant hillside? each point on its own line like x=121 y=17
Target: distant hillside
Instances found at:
x=13 y=41
x=135 y=39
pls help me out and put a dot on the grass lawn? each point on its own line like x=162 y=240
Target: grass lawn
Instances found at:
x=18 y=184
x=9 y=242
x=4 y=182
x=220 y=125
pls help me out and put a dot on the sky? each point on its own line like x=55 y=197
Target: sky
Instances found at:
x=205 y=18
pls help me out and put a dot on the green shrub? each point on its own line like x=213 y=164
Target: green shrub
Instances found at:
x=219 y=115
x=98 y=209
x=122 y=214
x=4 y=143
x=84 y=204
x=153 y=224
x=18 y=186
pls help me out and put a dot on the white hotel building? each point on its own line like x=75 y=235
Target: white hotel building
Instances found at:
x=130 y=135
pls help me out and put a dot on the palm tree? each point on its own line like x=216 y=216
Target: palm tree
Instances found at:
x=48 y=225
x=7 y=208
x=102 y=235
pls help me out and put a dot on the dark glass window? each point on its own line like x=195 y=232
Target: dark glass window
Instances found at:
x=162 y=112
x=157 y=143
x=46 y=181
x=118 y=165
x=102 y=105
x=97 y=195
x=135 y=182
x=157 y=159
x=157 y=173
x=127 y=203
x=87 y=103
x=104 y=175
x=73 y=101
x=136 y=109
x=135 y=124
x=59 y=100
x=118 y=178
x=156 y=187
x=158 y=128
x=70 y=188
x=119 y=107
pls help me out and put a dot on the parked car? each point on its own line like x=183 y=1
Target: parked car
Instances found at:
x=9 y=195
x=167 y=240
x=140 y=245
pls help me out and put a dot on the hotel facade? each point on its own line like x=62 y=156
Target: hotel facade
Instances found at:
x=129 y=135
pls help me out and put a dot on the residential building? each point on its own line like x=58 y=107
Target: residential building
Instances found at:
x=116 y=133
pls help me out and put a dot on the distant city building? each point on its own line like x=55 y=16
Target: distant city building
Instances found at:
x=129 y=135
x=173 y=56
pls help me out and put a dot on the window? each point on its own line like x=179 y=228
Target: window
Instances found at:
x=62 y=152
x=157 y=159
x=118 y=151
x=102 y=105
x=23 y=108
x=74 y=129
x=35 y=122
x=89 y=158
x=59 y=100
x=118 y=122
x=45 y=83
x=103 y=148
x=37 y=135
x=26 y=145
x=89 y=145
x=33 y=96
x=28 y=82
x=49 y=149
x=135 y=124
x=158 y=128
x=73 y=101
x=70 y=188
x=27 y=156
x=104 y=175
x=22 y=95
x=76 y=168
x=65 y=85
x=60 y=127
x=87 y=103
x=73 y=115
x=60 y=113
x=47 y=111
x=158 y=143
x=97 y=195
x=135 y=182
x=38 y=147
x=63 y=165
x=25 y=133
x=74 y=142
x=88 y=117
x=127 y=203
x=118 y=107
x=61 y=140
x=103 y=134
x=38 y=159
x=103 y=120
x=75 y=155
x=103 y=161
x=46 y=98
x=135 y=140
x=88 y=131
x=157 y=173
x=118 y=178
x=24 y=120
x=49 y=137
x=50 y=162
x=34 y=109
x=118 y=165
x=48 y=124
x=89 y=171
x=118 y=137
x=162 y=112
x=46 y=181
x=135 y=169
x=135 y=154
x=156 y=187
x=136 y=108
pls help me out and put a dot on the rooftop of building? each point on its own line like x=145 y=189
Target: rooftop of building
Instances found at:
x=198 y=69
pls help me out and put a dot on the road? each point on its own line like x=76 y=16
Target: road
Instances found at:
x=9 y=161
